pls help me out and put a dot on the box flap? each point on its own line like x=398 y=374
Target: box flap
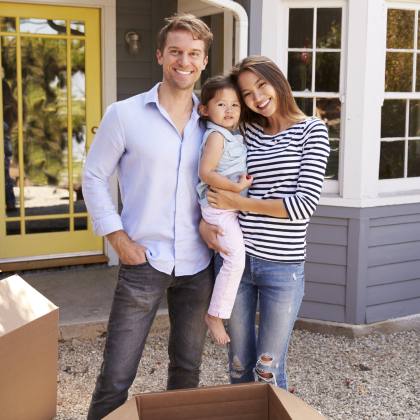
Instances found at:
x=128 y=411
x=20 y=304
x=233 y=402
x=294 y=407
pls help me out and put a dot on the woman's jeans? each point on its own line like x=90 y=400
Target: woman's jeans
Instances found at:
x=278 y=290
x=139 y=292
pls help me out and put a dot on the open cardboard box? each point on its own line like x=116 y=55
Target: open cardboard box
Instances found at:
x=253 y=401
x=28 y=352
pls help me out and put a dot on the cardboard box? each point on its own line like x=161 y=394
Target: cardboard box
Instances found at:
x=253 y=401
x=28 y=352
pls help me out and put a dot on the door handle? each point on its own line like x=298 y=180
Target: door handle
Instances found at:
x=94 y=129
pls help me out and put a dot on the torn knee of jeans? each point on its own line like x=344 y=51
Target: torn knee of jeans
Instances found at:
x=237 y=370
x=265 y=360
x=263 y=374
x=263 y=371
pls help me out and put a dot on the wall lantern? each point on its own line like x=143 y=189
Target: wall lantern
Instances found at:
x=132 y=39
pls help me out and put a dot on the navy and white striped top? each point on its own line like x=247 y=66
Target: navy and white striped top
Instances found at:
x=289 y=165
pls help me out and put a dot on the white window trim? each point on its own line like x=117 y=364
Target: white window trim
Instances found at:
x=108 y=70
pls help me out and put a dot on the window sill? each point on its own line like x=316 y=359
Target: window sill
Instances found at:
x=383 y=199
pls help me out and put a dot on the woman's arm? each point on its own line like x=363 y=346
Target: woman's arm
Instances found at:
x=210 y=158
x=228 y=200
x=303 y=202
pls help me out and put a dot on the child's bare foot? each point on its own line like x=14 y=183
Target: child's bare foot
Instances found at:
x=217 y=329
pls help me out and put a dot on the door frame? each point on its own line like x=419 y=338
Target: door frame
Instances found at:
x=108 y=69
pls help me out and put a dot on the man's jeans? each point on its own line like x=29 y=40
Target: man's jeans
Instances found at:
x=139 y=292
x=278 y=288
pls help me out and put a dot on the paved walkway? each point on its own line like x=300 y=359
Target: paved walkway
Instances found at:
x=83 y=294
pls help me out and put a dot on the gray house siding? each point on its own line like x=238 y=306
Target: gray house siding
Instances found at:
x=393 y=281
x=139 y=73
x=363 y=265
x=325 y=270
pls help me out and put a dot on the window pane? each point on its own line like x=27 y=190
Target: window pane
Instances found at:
x=13 y=228
x=77 y=27
x=332 y=166
x=299 y=71
x=327 y=76
x=393 y=118
x=80 y=223
x=328 y=28
x=414 y=128
x=392 y=160
x=418 y=71
x=301 y=23
x=413 y=168
x=78 y=118
x=398 y=72
x=52 y=225
x=400 y=29
x=42 y=26
x=418 y=32
x=45 y=125
x=329 y=111
x=306 y=105
x=7 y=24
x=12 y=172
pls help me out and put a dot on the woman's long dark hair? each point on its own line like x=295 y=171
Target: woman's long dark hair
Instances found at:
x=267 y=70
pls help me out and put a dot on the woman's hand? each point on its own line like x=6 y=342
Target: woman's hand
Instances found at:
x=209 y=234
x=222 y=199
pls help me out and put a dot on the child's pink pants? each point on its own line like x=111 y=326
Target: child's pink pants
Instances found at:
x=230 y=274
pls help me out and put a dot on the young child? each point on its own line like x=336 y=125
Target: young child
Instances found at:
x=223 y=165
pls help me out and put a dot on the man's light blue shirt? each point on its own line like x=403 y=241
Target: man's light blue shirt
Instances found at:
x=157 y=174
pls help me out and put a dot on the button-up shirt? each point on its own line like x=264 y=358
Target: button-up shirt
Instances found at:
x=157 y=175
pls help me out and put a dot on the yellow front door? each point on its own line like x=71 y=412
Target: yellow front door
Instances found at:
x=50 y=100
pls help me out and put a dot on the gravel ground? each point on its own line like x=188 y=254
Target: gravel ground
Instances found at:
x=374 y=377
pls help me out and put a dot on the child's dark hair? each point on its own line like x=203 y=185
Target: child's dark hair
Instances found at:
x=213 y=85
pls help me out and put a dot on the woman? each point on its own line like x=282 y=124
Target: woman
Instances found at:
x=287 y=157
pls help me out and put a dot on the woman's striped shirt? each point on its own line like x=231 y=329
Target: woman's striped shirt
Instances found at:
x=289 y=165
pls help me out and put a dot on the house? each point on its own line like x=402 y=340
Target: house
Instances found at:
x=353 y=63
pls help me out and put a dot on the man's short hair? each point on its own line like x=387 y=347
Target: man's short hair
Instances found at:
x=185 y=22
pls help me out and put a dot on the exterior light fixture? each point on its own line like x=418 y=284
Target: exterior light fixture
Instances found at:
x=132 y=39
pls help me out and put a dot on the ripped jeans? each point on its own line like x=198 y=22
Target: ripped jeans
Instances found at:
x=278 y=289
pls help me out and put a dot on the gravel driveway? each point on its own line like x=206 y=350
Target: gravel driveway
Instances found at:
x=374 y=377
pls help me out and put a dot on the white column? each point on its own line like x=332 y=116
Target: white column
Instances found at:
x=364 y=94
x=273 y=30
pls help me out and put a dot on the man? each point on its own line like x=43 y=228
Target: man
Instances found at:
x=153 y=141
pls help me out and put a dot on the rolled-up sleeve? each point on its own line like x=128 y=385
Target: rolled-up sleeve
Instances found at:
x=101 y=162
x=315 y=154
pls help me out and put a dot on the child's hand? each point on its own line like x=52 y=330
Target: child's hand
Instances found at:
x=245 y=181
